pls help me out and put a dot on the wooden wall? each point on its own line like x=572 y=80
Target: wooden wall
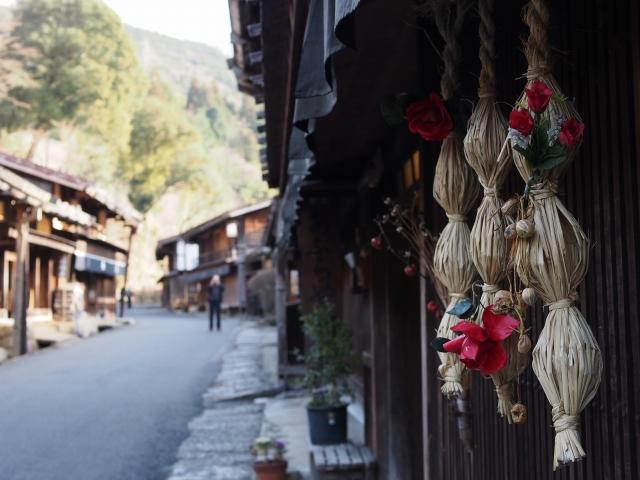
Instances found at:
x=597 y=46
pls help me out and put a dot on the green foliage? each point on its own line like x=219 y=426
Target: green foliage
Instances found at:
x=82 y=67
x=163 y=151
x=329 y=359
x=542 y=154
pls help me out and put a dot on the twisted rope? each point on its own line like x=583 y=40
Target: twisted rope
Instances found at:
x=536 y=49
x=449 y=19
x=486 y=31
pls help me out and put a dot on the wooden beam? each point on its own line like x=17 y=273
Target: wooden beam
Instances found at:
x=20 y=282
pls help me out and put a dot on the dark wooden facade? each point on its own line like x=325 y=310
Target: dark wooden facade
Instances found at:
x=411 y=428
x=92 y=252
x=597 y=64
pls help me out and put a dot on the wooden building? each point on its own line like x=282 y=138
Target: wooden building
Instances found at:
x=61 y=235
x=321 y=70
x=231 y=245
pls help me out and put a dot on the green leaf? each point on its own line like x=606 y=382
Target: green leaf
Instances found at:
x=553 y=156
x=438 y=343
x=463 y=309
x=392 y=109
x=527 y=153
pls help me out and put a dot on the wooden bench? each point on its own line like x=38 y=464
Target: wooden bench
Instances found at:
x=345 y=461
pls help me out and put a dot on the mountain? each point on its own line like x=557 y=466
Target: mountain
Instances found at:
x=179 y=61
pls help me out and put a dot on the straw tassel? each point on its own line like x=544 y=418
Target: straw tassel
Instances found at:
x=455 y=189
x=566 y=358
x=483 y=143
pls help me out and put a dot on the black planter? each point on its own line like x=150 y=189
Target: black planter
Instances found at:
x=327 y=425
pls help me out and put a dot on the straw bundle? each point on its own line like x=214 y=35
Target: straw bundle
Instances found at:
x=566 y=358
x=455 y=189
x=486 y=133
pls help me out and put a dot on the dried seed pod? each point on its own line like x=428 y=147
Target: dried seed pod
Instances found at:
x=502 y=296
x=529 y=296
x=524 y=344
x=509 y=207
x=510 y=231
x=519 y=413
x=525 y=228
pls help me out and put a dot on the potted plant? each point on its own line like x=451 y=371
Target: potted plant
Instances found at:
x=329 y=363
x=269 y=462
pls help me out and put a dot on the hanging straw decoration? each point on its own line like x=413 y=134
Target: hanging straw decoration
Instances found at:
x=456 y=190
x=566 y=358
x=486 y=133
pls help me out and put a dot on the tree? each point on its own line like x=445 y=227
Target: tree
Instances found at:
x=84 y=70
x=164 y=149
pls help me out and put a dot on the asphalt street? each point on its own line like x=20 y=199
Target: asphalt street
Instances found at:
x=113 y=407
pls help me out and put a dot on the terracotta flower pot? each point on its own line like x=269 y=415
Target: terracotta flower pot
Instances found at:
x=276 y=470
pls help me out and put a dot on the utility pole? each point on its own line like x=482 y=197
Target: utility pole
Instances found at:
x=20 y=282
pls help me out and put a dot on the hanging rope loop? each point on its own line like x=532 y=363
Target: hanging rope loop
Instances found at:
x=536 y=49
x=487 y=31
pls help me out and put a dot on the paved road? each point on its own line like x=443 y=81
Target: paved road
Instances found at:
x=113 y=407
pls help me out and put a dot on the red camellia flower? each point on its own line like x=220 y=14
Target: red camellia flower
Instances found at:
x=521 y=121
x=429 y=118
x=538 y=96
x=480 y=348
x=571 y=133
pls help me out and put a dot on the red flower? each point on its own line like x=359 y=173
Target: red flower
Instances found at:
x=521 y=121
x=480 y=348
x=429 y=118
x=571 y=133
x=538 y=96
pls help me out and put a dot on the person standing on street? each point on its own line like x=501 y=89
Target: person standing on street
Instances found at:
x=216 y=291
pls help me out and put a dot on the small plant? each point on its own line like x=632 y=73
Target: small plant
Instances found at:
x=329 y=357
x=267 y=450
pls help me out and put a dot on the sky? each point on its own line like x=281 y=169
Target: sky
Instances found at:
x=205 y=21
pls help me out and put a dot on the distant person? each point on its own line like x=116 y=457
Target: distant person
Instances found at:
x=129 y=298
x=216 y=291
x=123 y=295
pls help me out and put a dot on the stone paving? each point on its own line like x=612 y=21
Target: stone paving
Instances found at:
x=218 y=445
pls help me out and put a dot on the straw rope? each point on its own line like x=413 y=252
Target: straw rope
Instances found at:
x=486 y=32
x=566 y=358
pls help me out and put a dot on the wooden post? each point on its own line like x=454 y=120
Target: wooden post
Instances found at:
x=281 y=305
x=126 y=270
x=20 y=282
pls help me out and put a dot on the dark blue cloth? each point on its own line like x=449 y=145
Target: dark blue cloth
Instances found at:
x=216 y=293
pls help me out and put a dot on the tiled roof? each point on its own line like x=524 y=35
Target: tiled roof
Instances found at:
x=120 y=207
x=22 y=189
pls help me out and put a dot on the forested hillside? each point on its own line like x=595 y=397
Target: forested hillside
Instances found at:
x=151 y=118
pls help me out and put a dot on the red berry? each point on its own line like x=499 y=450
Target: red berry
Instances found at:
x=410 y=270
x=376 y=242
x=432 y=306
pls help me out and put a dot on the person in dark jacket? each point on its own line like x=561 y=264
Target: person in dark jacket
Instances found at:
x=216 y=292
